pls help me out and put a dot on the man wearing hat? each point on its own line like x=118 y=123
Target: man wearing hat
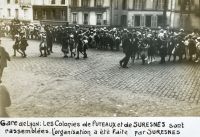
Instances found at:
x=191 y=47
x=162 y=49
x=79 y=45
x=49 y=38
x=127 y=49
x=72 y=45
x=4 y=57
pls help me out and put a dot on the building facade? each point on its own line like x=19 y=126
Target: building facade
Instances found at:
x=119 y=12
x=19 y=9
x=90 y=12
x=155 y=13
x=145 y=13
x=127 y=13
x=50 y=11
x=185 y=14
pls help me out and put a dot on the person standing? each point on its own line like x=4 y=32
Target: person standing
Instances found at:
x=80 y=45
x=191 y=47
x=49 y=40
x=72 y=46
x=23 y=45
x=43 y=47
x=162 y=49
x=4 y=57
x=127 y=49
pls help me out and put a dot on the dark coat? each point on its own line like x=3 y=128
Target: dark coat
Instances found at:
x=4 y=57
x=4 y=101
x=192 y=47
x=162 y=47
x=128 y=46
x=23 y=44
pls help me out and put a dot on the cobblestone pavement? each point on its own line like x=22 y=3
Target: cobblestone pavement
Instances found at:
x=97 y=86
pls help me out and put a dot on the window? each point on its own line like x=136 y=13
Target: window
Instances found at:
x=160 y=5
x=155 y=4
x=44 y=14
x=74 y=3
x=186 y=4
x=85 y=3
x=124 y=4
x=99 y=19
x=137 y=4
x=8 y=1
x=160 y=20
x=85 y=19
x=124 y=20
x=9 y=13
x=16 y=1
x=62 y=14
x=116 y=20
x=137 y=21
x=74 y=18
x=116 y=4
x=53 y=2
x=25 y=13
x=16 y=13
x=185 y=1
x=148 y=21
x=53 y=14
x=99 y=3
x=35 y=14
x=62 y=1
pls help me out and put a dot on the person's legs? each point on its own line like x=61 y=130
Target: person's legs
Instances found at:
x=126 y=61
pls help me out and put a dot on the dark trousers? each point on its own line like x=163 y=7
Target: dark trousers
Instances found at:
x=82 y=52
x=125 y=60
x=162 y=60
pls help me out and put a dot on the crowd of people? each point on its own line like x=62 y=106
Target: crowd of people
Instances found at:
x=140 y=43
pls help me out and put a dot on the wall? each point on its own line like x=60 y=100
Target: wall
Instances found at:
x=24 y=13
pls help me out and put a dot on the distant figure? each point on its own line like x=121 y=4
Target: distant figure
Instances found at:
x=4 y=56
x=4 y=101
x=43 y=47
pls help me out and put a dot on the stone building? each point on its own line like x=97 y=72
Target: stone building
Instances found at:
x=90 y=12
x=50 y=11
x=19 y=9
x=184 y=14
x=119 y=12
x=155 y=13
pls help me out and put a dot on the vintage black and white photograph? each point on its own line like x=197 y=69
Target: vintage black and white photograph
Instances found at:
x=99 y=58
